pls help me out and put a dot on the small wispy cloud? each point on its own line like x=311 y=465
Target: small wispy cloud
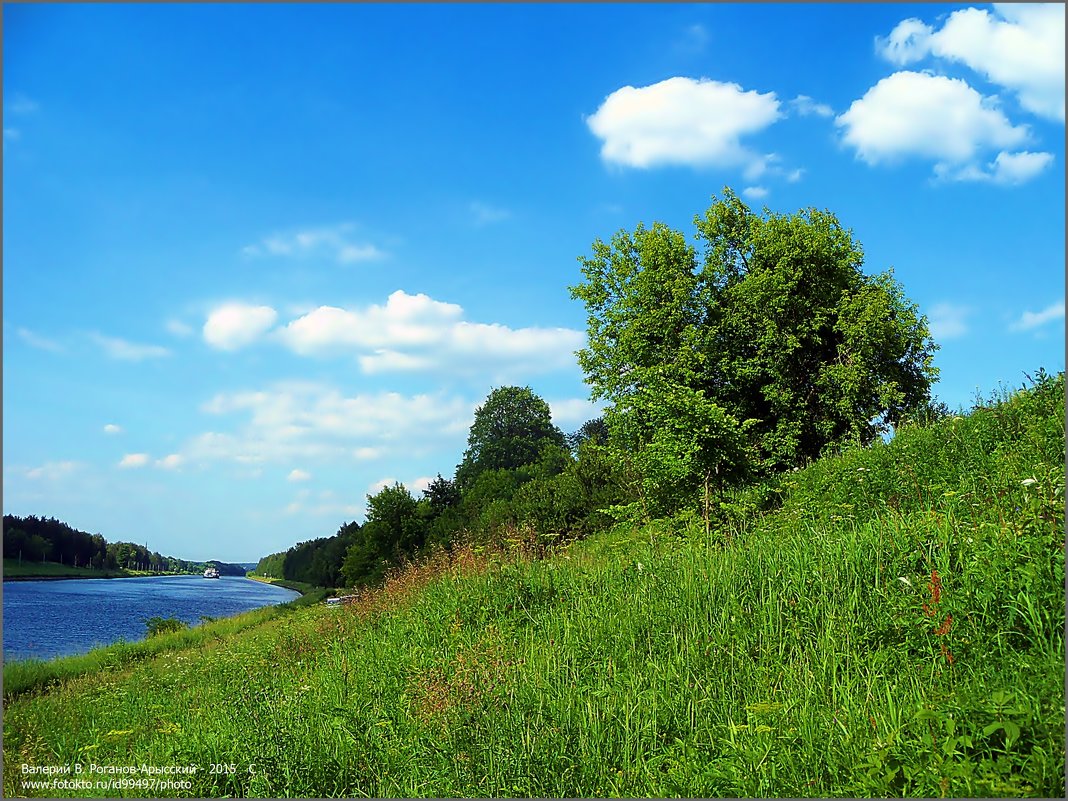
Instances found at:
x=179 y=328
x=485 y=214
x=332 y=242
x=948 y=320
x=123 y=350
x=805 y=106
x=170 y=462
x=111 y=428
x=694 y=39
x=1007 y=169
x=298 y=475
x=1029 y=320
x=18 y=106
x=22 y=105
x=37 y=341
x=51 y=471
x=134 y=460
x=755 y=192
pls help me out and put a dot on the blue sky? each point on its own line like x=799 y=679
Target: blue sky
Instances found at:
x=260 y=259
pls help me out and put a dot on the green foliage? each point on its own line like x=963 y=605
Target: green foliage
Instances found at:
x=594 y=431
x=315 y=562
x=163 y=625
x=509 y=431
x=673 y=441
x=394 y=532
x=777 y=324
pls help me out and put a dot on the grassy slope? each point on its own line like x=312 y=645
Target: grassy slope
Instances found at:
x=812 y=654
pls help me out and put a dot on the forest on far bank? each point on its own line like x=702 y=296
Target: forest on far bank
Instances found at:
x=40 y=539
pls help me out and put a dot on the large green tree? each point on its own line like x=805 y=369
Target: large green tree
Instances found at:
x=510 y=430
x=773 y=322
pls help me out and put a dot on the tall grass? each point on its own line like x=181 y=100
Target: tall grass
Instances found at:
x=894 y=627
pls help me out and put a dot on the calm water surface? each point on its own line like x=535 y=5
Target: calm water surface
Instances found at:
x=45 y=619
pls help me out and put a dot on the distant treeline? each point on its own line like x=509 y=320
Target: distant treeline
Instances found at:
x=315 y=562
x=39 y=539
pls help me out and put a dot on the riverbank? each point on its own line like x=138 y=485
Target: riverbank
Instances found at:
x=309 y=593
x=29 y=571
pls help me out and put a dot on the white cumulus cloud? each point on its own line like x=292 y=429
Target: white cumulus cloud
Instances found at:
x=1019 y=47
x=298 y=475
x=235 y=325
x=682 y=121
x=134 y=460
x=170 y=462
x=570 y=413
x=417 y=333
x=943 y=120
x=930 y=116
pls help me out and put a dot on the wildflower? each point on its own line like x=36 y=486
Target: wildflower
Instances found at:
x=640 y=568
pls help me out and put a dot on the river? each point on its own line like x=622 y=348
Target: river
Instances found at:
x=46 y=619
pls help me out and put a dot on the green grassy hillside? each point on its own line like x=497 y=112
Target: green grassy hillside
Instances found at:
x=891 y=624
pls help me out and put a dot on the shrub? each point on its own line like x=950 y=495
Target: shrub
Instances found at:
x=157 y=625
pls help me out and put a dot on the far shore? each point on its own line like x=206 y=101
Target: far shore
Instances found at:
x=97 y=576
x=50 y=571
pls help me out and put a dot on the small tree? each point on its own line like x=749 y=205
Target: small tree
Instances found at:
x=394 y=531
x=509 y=431
x=676 y=444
